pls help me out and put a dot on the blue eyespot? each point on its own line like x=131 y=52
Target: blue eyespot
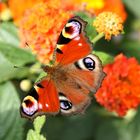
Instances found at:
x=65 y=105
x=89 y=63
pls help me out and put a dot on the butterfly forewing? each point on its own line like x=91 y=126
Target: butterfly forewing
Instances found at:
x=72 y=43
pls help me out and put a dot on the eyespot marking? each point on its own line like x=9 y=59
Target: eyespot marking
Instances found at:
x=59 y=51
x=63 y=40
x=89 y=63
x=69 y=30
x=65 y=104
x=77 y=65
x=29 y=106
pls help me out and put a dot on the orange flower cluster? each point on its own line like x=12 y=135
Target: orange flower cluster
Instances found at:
x=41 y=27
x=108 y=23
x=18 y=7
x=120 y=89
x=98 y=6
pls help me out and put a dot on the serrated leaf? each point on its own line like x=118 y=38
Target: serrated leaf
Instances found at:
x=16 y=55
x=11 y=124
x=8 y=34
x=104 y=57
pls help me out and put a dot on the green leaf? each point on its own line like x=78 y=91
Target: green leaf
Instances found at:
x=11 y=124
x=38 y=123
x=104 y=57
x=8 y=34
x=35 y=134
x=7 y=70
x=16 y=55
x=133 y=6
x=32 y=135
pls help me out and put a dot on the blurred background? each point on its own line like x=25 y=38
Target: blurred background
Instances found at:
x=28 y=33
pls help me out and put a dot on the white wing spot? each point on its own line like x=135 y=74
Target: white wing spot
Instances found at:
x=80 y=44
x=47 y=105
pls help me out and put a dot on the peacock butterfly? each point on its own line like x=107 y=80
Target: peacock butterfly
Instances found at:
x=75 y=73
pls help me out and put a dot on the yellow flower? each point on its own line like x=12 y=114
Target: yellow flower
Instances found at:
x=90 y=4
x=108 y=23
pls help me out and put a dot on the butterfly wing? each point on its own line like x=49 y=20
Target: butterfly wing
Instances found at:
x=84 y=70
x=43 y=98
x=72 y=43
x=83 y=73
x=83 y=76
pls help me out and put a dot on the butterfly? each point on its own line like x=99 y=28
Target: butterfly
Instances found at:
x=76 y=73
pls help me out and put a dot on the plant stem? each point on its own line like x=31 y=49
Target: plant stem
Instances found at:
x=98 y=37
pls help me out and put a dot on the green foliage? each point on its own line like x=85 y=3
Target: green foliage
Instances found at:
x=134 y=6
x=104 y=57
x=16 y=55
x=35 y=134
x=11 y=54
x=11 y=124
x=8 y=34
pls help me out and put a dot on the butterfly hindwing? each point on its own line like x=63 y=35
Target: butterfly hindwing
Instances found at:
x=43 y=98
x=83 y=76
x=72 y=43
x=90 y=71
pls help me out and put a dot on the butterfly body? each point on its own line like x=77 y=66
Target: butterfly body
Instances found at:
x=56 y=73
x=75 y=73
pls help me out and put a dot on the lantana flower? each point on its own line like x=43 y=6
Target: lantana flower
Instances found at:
x=120 y=90
x=41 y=27
x=109 y=24
x=18 y=7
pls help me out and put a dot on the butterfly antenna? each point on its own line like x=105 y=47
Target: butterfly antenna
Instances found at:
x=31 y=68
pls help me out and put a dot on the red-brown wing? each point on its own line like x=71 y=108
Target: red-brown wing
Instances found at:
x=72 y=43
x=43 y=98
x=83 y=77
